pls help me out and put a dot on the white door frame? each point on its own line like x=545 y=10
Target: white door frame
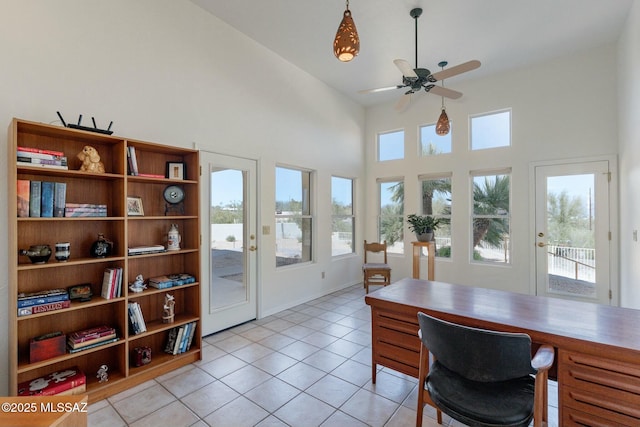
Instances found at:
x=614 y=242
x=220 y=319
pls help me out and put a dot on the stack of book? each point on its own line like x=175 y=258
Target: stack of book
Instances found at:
x=111 y=283
x=163 y=282
x=90 y=338
x=84 y=209
x=180 y=338
x=41 y=158
x=62 y=383
x=41 y=198
x=40 y=302
x=136 y=319
x=132 y=160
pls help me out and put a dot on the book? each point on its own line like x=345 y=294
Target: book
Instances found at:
x=136 y=318
x=171 y=340
x=34 y=198
x=85 y=205
x=46 y=200
x=41 y=151
x=91 y=332
x=19 y=163
x=178 y=339
x=53 y=383
x=59 y=199
x=168 y=281
x=32 y=155
x=23 y=197
x=98 y=344
x=30 y=302
x=111 y=283
x=146 y=249
x=191 y=335
x=39 y=294
x=86 y=342
x=42 y=308
x=36 y=161
x=134 y=161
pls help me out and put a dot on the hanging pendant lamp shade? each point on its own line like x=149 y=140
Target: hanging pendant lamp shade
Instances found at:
x=442 y=126
x=346 y=45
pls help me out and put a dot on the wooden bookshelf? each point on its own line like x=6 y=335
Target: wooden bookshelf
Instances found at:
x=112 y=189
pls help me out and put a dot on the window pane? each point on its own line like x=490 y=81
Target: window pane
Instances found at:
x=432 y=143
x=391 y=215
x=391 y=145
x=436 y=201
x=343 y=220
x=491 y=219
x=491 y=131
x=293 y=221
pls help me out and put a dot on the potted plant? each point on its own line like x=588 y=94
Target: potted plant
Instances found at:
x=423 y=226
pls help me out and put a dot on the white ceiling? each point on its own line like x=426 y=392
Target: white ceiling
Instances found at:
x=502 y=34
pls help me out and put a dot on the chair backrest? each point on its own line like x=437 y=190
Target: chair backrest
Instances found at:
x=376 y=248
x=477 y=354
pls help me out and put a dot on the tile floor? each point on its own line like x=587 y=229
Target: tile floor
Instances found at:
x=306 y=366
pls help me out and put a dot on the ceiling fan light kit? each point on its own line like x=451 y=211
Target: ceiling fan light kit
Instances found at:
x=346 y=45
x=442 y=127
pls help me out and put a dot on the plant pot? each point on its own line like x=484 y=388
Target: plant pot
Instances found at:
x=425 y=237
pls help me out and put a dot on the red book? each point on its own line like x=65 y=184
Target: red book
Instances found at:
x=41 y=151
x=54 y=383
x=23 y=198
x=41 y=308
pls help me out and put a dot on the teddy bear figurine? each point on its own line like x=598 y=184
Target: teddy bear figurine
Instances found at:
x=90 y=160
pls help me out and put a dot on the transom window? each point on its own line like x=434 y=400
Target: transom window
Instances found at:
x=491 y=130
x=391 y=145
x=432 y=144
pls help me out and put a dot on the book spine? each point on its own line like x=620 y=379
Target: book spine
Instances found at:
x=50 y=292
x=74 y=214
x=134 y=161
x=19 y=163
x=59 y=198
x=91 y=337
x=191 y=334
x=41 y=151
x=34 y=198
x=106 y=283
x=30 y=302
x=43 y=156
x=85 y=205
x=93 y=332
x=161 y=285
x=36 y=161
x=42 y=308
x=23 y=198
x=178 y=340
x=46 y=208
x=75 y=350
x=87 y=343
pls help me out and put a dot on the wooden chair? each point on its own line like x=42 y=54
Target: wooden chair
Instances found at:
x=481 y=377
x=376 y=273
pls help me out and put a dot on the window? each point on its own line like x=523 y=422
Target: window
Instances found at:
x=391 y=215
x=433 y=144
x=491 y=130
x=391 y=145
x=490 y=221
x=293 y=216
x=343 y=219
x=436 y=201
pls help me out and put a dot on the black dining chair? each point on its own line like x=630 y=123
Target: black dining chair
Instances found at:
x=481 y=377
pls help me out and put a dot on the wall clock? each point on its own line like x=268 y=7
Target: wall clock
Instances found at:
x=174 y=196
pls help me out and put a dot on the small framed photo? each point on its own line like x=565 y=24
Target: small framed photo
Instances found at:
x=176 y=170
x=134 y=206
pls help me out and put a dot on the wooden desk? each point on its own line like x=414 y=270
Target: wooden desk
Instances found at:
x=431 y=264
x=44 y=411
x=598 y=347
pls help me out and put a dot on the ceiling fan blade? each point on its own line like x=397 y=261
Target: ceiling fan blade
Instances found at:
x=405 y=68
x=403 y=102
x=455 y=70
x=380 y=89
x=443 y=91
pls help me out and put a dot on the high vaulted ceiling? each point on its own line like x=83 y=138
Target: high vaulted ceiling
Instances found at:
x=502 y=34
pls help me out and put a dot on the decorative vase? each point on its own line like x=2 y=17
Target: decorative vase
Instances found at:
x=101 y=248
x=173 y=238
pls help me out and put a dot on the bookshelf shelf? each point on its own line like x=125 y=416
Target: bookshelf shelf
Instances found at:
x=110 y=189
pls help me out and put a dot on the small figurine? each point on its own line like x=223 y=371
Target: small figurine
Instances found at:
x=102 y=374
x=138 y=285
x=90 y=160
x=167 y=313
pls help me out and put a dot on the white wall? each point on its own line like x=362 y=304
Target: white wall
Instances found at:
x=562 y=109
x=629 y=130
x=168 y=72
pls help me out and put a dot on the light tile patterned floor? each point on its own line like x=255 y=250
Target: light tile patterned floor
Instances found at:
x=306 y=366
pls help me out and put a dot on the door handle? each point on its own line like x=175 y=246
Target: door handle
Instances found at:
x=541 y=244
x=253 y=248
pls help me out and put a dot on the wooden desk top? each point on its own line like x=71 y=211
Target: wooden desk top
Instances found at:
x=587 y=327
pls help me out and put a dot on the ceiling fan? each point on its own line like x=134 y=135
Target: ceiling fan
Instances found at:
x=417 y=79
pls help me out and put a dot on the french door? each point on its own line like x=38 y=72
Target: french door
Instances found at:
x=229 y=212
x=572 y=231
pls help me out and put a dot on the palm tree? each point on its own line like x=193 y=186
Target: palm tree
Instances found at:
x=491 y=198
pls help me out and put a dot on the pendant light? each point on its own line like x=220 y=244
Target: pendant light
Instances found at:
x=346 y=45
x=443 y=126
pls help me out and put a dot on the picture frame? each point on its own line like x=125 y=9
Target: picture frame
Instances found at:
x=134 y=206
x=176 y=170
